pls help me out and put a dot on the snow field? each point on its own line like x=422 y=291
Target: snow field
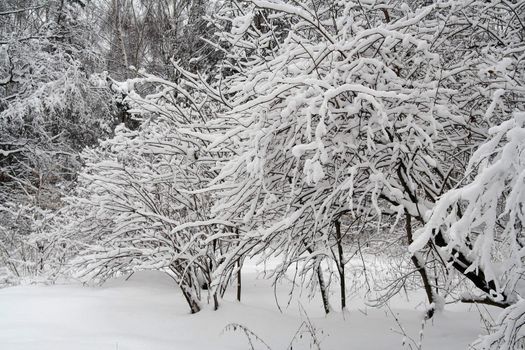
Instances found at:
x=147 y=312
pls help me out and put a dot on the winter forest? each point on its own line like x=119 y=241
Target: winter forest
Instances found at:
x=262 y=174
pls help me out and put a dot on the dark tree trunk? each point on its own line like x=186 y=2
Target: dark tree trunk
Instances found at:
x=239 y=280
x=420 y=266
x=192 y=303
x=341 y=263
x=186 y=283
x=461 y=263
x=322 y=287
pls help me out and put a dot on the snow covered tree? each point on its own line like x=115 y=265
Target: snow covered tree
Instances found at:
x=352 y=106
x=139 y=202
x=482 y=219
x=325 y=122
x=143 y=34
x=50 y=107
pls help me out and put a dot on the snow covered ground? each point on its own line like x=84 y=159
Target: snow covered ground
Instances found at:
x=147 y=312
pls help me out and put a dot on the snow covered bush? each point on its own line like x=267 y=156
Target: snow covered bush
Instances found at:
x=139 y=202
x=346 y=111
x=31 y=250
x=482 y=220
x=327 y=122
x=50 y=108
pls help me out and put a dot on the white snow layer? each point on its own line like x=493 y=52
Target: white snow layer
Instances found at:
x=147 y=312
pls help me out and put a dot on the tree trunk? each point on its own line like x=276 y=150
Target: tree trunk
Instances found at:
x=420 y=266
x=186 y=283
x=461 y=263
x=239 y=281
x=322 y=287
x=341 y=263
x=215 y=301
x=190 y=299
x=119 y=32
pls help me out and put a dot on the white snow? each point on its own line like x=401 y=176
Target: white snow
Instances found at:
x=148 y=312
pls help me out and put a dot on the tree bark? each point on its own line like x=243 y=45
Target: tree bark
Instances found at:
x=186 y=284
x=461 y=263
x=239 y=280
x=322 y=287
x=420 y=266
x=341 y=263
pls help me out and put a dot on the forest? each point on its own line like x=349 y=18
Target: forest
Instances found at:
x=363 y=158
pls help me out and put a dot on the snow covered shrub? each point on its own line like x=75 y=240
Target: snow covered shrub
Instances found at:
x=50 y=108
x=31 y=250
x=327 y=122
x=357 y=112
x=139 y=202
x=508 y=334
x=482 y=219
